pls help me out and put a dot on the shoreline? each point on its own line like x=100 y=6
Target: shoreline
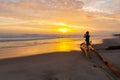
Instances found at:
x=109 y=53
x=70 y=65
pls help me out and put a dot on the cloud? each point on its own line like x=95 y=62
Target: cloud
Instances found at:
x=102 y=6
x=36 y=8
x=50 y=4
x=92 y=14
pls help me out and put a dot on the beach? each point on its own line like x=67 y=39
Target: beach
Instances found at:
x=54 y=66
x=66 y=65
x=111 y=51
x=59 y=40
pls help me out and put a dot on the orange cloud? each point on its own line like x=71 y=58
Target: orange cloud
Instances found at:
x=51 y=14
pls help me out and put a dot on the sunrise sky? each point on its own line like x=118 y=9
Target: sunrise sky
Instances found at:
x=59 y=16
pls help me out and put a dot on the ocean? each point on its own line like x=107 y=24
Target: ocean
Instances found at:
x=33 y=44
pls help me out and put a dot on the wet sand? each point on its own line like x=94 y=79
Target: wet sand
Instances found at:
x=61 y=65
x=110 y=50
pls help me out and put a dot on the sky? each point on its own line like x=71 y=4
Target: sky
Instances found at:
x=50 y=16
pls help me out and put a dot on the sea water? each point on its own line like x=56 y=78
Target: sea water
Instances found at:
x=32 y=44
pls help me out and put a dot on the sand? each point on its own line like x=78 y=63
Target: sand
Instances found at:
x=110 y=50
x=60 y=66
x=54 y=66
x=112 y=55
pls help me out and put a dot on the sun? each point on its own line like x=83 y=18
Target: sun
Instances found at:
x=63 y=30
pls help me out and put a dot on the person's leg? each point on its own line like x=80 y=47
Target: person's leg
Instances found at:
x=87 y=50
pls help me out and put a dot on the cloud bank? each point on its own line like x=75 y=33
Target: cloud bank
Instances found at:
x=92 y=14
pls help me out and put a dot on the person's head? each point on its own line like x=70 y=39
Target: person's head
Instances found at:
x=87 y=32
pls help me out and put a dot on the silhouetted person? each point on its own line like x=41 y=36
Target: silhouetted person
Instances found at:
x=87 y=38
x=85 y=47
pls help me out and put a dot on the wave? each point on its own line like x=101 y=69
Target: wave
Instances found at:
x=30 y=37
x=21 y=39
x=25 y=45
x=26 y=40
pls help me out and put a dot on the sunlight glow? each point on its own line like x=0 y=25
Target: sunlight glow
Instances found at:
x=63 y=30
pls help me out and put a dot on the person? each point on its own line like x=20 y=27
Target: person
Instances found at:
x=86 y=46
x=87 y=38
x=87 y=43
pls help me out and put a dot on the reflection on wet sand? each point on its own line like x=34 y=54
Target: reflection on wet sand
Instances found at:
x=66 y=44
x=51 y=45
x=55 y=45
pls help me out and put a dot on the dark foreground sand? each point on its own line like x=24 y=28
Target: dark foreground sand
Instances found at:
x=53 y=66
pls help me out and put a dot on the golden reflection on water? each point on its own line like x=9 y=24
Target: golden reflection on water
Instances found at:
x=66 y=44
x=51 y=45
